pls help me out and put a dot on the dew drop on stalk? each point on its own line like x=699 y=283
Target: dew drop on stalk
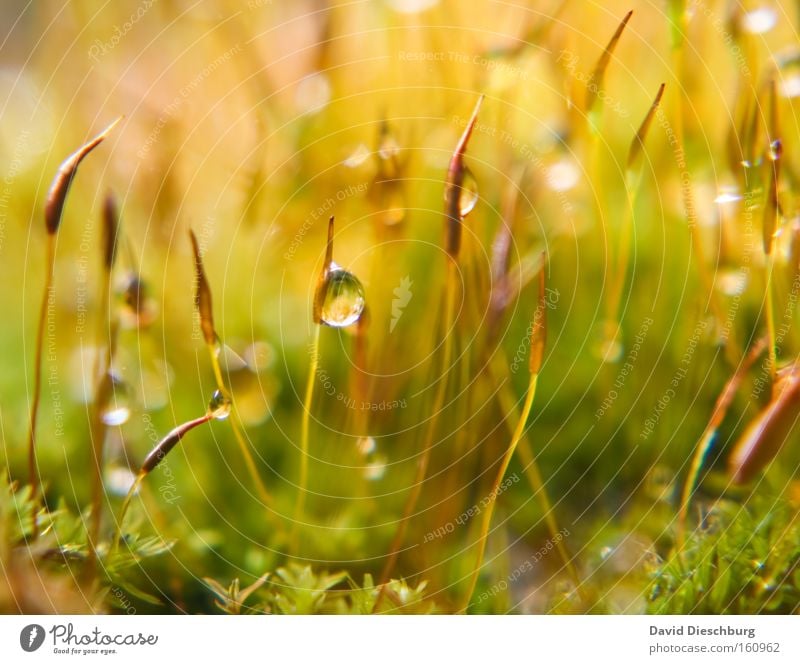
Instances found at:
x=732 y=282
x=344 y=298
x=366 y=445
x=608 y=347
x=118 y=411
x=775 y=150
x=375 y=470
x=119 y=481
x=789 y=80
x=219 y=406
x=468 y=196
x=137 y=309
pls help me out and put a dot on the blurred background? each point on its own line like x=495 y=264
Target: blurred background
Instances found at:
x=251 y=123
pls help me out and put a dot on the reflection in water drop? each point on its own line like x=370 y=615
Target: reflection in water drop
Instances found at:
x=344 y=298
x=468 y=196
x=219 y=406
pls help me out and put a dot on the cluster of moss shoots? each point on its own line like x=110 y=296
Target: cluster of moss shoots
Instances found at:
x=703 y=570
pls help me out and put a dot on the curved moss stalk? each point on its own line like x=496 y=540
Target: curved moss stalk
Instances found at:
x=427 y=446
x=704 y=445
x=204 y=306
x=633 y=174
x=151 y=461
x=302 y=482
x=53 y=212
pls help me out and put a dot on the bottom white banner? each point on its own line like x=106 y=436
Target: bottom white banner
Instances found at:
x=389 y=639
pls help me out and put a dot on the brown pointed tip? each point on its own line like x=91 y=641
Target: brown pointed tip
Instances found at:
x=637 y=145
x=767 y=433
x=455 y=179
x=596 y=78
x=539 y=328
x=110 y=230
x=322 y=281
x=57 y=196
x=202 y=295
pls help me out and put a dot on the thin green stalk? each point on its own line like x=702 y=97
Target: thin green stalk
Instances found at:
x=508 y=404
x=238 y=434
x=701 y=451
x=770 y=315
x=302 y=483
x=489 y=510
x=33 y=475
x=438 y=403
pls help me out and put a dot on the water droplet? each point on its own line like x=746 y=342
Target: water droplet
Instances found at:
x=219 y=406
x=563 y=175
x=375 y=470
x=116 y=415
x=120 y=480
x=732 y=282
x=388 y=148
x=468 y=196
x=775 y=150
x=357 y=157
x=790 y=86
x=313 y=93
x=411 y=6
x=118 y=411
x=727 y=196
x=759 y=20
x=366 y=445
x=390 y=200
x=138 y=309
x=608 y=348
x=344 y=298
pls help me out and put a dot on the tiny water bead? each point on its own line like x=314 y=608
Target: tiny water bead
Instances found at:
x=219 y=406
x=118 y=411
x=344 y=298
x=468 y=194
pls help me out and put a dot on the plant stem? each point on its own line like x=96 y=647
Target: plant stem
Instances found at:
x=124 y=510
x=770 y=315
x=33 y=476
x=98 y=429
x=508 y=404
x=720 y=409
x=263 y=494
x=486 y=522
x=438 y=404
x=302 y=483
